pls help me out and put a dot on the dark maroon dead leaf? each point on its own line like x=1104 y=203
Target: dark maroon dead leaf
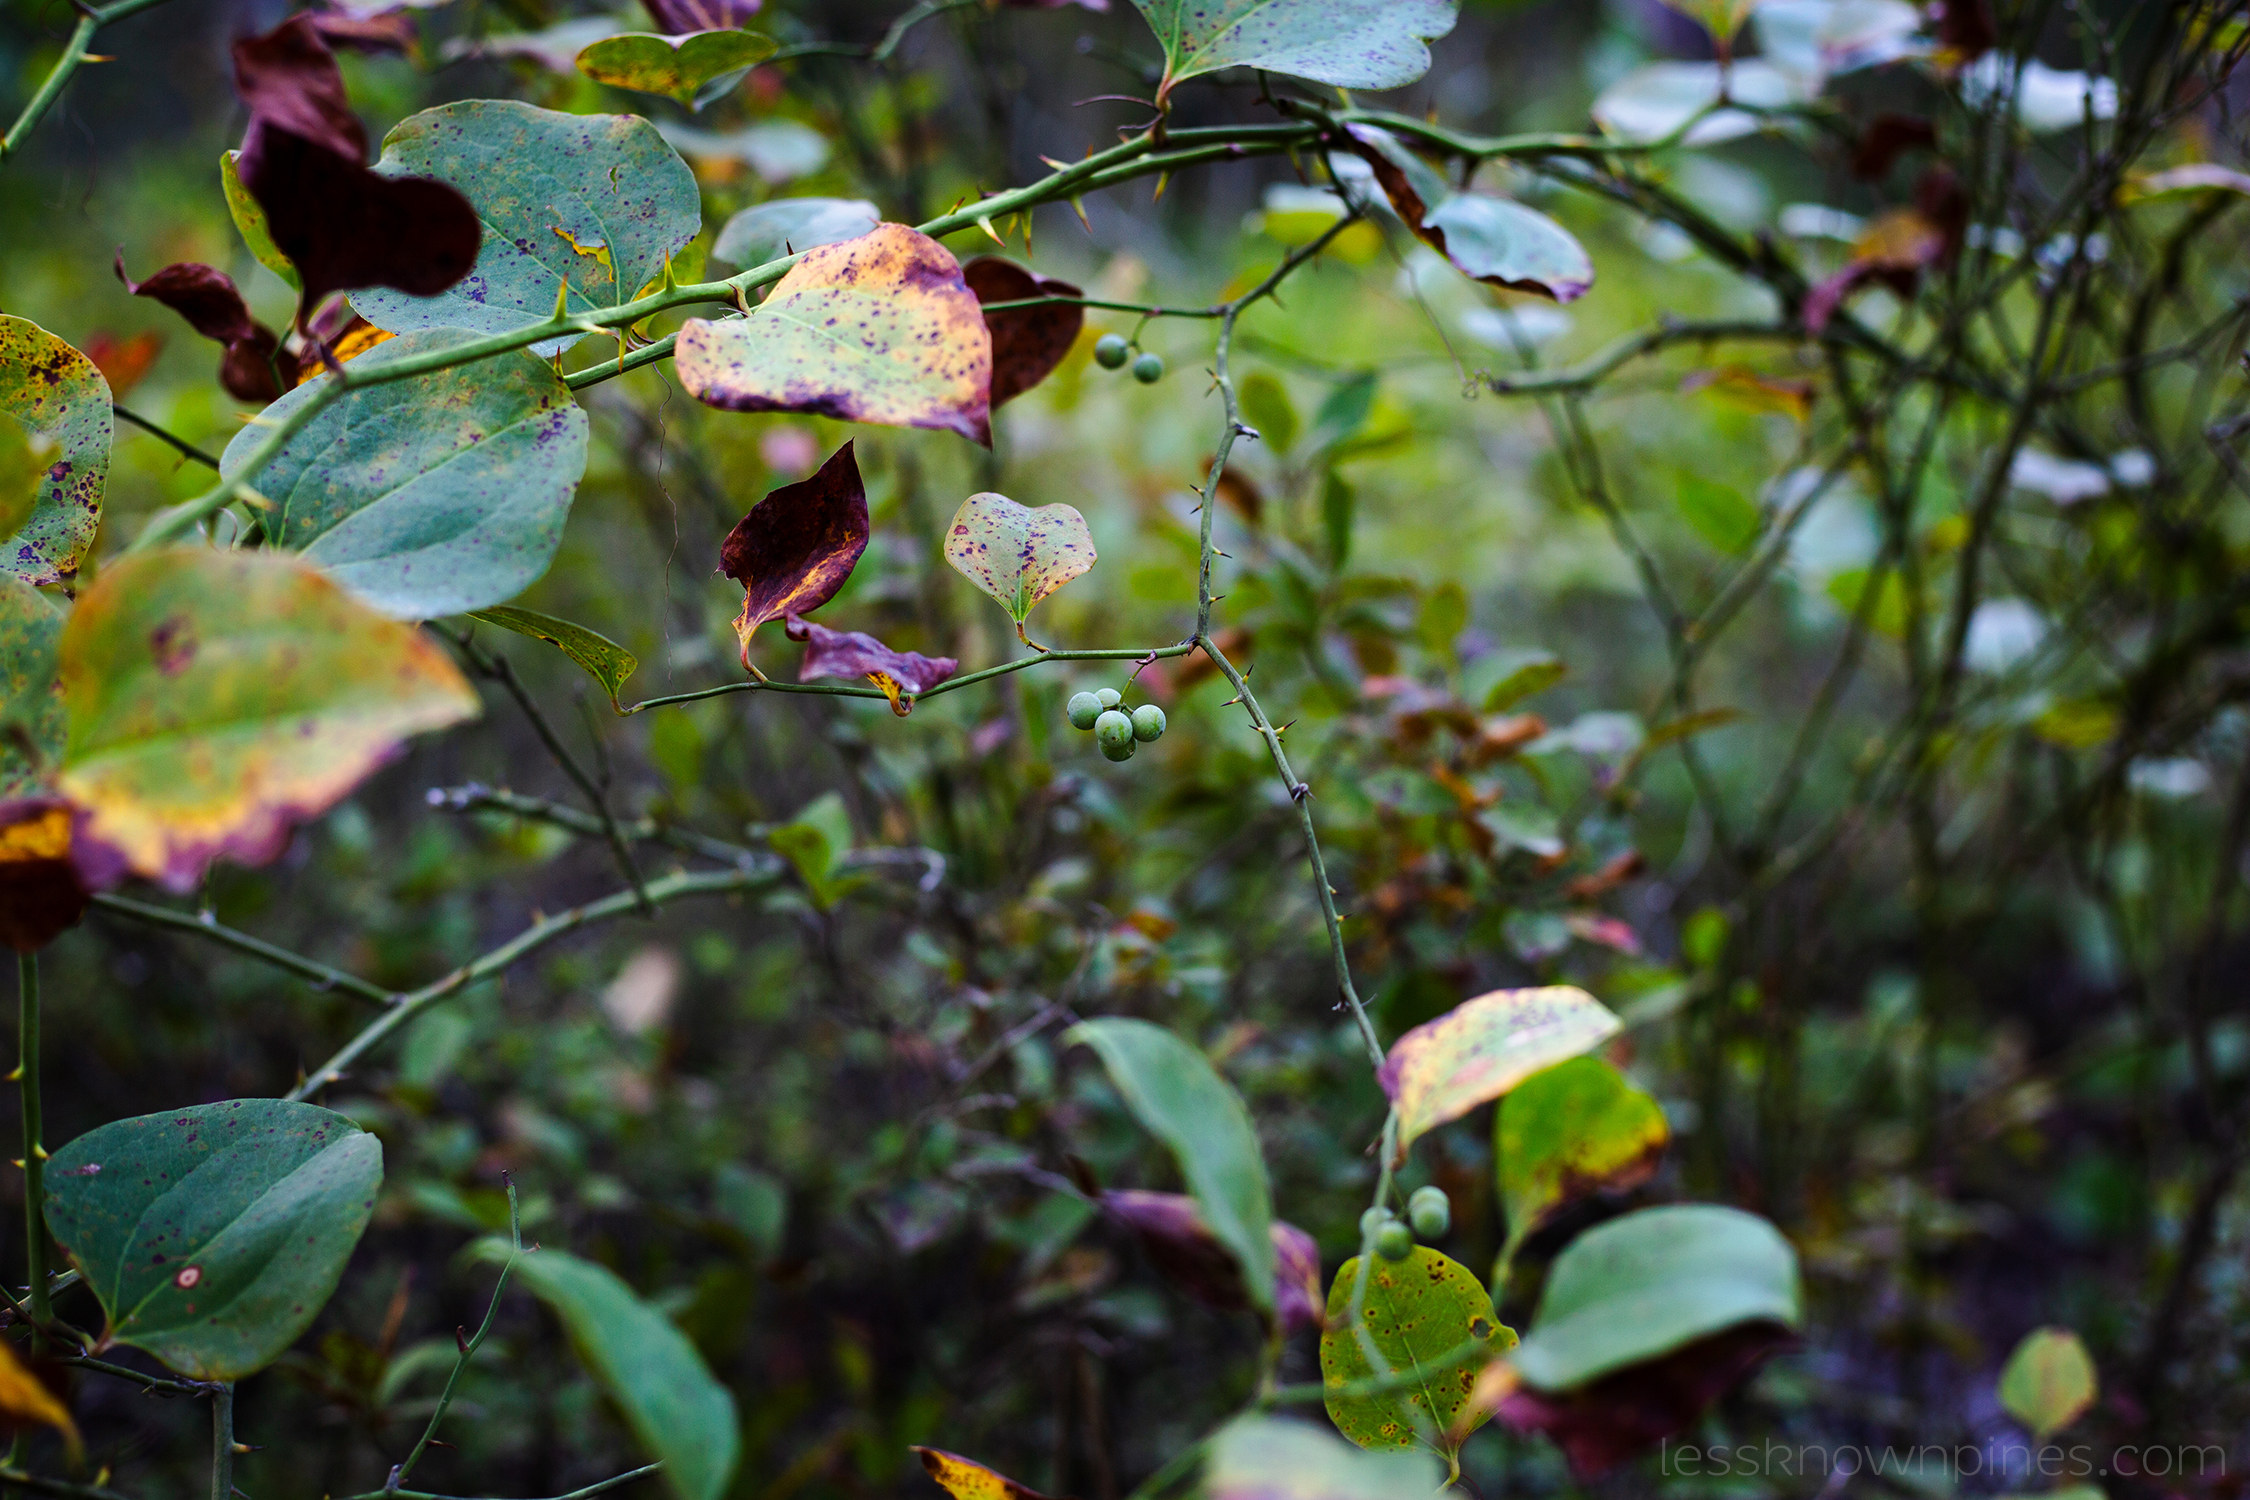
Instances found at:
x=1027 y=342
x=681 y=17
x=1898 y=246
x=797 y=546
x=1182 y=1247
x=1887 y=138
x=391 y=31
x=853 y=653
x=1965 y=30
x=1603 y=1424
x=40 y=890
x=254 y=368
x=289 y=79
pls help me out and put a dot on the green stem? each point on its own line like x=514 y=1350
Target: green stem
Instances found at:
x=62 y=1489
x=204 y=926
x=34 y=1149
x=600 y=1487
x=222 y=1441
x=468 y=1350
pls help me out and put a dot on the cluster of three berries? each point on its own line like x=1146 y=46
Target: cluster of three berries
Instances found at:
x=1118 y=732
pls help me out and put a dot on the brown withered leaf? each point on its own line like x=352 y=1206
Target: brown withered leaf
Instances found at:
x=212 y=305
x=853 y=653
x=1027 y=342
x=290 y=81
x=40 y=890
x=1181 y=1245
x=1887 y=138
x=684 y=17
x=1601 y=1425
x=1965 y=30
x=798 y=545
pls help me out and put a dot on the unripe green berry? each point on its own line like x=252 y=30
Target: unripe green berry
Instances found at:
x=1394 y=1241
x=1372 y=1221
x=1110 y=351
x=1114 y=730
x=1109 y=697
x=1430 y=1212
x=1148 y=722
x=1084 y=709
x=1121 y=752
x=1149 y=369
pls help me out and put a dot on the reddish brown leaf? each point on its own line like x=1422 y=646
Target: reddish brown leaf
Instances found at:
x=1965 y=30
x=1887 y=138
x=797 y=546
x=289 y=79
x=852 y=653
x=40 y=891
x=1027 y=342
x=123 y=361
x=1601 y=1425
x=392 y=31
x=208 y=299
x=257 y=369
x=682 y=17
x=1181 y=1245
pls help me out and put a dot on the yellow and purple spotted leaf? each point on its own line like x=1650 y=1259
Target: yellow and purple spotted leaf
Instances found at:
x=798 y=545
x=1416 y=1311
x=693 y=69
x=902 y=675
x=1484 y=1047
x=54 y=455
x=31 y=706
x=878 y=329
x=1017 y=554
x=966 y=1479
x=215 y=699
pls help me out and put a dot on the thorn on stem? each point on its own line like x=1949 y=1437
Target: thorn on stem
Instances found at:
x=460 y=1338
x=1299 y=792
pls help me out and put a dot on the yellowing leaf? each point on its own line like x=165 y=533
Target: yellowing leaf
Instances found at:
x=2049 y=1381
x=693 y=69
x=1484 y=1047
x=1417 y=1310
x=878 y=329
x=215 y=699
x=1017 y=554
x=1575 y=1129
x=63 y=402
x=24 y=1399
x=604 y=660
x=966 y=1479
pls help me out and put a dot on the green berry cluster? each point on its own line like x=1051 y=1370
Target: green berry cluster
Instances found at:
x=1118 y=732
x=1111 y=351
x=1429 y=1215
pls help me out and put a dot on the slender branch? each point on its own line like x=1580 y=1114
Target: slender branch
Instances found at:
x=202 y=925
x=475 y=798
x=75 y=54
x=155 y=1385
x=185 y=448
x=951 y=684
x=222 y=1441
x=601 y=1487
x=41 y=1305
x=468 y=1350
x=61 y=1489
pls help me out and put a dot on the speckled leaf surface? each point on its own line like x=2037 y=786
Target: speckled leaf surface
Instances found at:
x=1017 y=554
x=678 y=1413
x=1490 y=239
x=966 y=1479
x=60 y=406
x=879 y=329
x=604 y=660
x=1417 y=1310
x=1354 y=44
x=429 y=496
x=597 y=201
x=1484 y=1047
x=902 y=675
x=693 y=69
x=212 y=1236
x=1575 y=1129
x=31 y=706
x=217 y=698
x=1179 y=1098
x=796 y=547
x=784 y=226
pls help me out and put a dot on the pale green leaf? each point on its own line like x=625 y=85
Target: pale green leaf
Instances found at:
x=604 y=660
x=1353 y=44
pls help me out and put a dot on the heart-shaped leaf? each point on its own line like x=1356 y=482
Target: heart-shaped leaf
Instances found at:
x=604 y=660
x=1177 y=1095
x=1417 y=1310
x=1027 y=342
x=1260 y=1458
x=678 y=1412
x=31 y=705
x=592 y=201
x=902 y=675
x=1181 y=1245
x=784 y=226
x=212 y=1236
x=966 y=1479
x=2048 y=1382
x=694 y=69
x=1484 y=1047
x=1354 y=44
x=1576 y=1129
x=429 y=496
x=54 y=457
x=797 y=546
x=1490 y=239
x=1016 y=554
x=217 y=698
x=879 y=329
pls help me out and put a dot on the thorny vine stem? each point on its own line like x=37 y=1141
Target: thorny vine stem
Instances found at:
x=469 y=1348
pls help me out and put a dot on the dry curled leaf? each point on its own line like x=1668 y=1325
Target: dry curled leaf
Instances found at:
x=679 y=17
x=797 y=546
x=1027 y=342
x=255 y=368
x=1897 y=247
x=902 y=675
x=1489 y=239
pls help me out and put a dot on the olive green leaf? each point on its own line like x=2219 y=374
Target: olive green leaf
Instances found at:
x=2048 y=1382
x=1265 y=401
x=1175 y=1093
x=604 y=660
x=693 y=70
x=1650 y=1283
x=815 y=842
x=593 y=203
x=877 y=329
x=31 y=705
x=1017 y=554
x=1484 y=1047
x=679 y=1413
x=1417 y=1311
x=785 y=226
x=1575 y=1129
x=212 y=1236
x=1354 y=44
x=217 y=698
x=1261 y=1458
x=54 y=455
x=250 y=221
x=430 y=496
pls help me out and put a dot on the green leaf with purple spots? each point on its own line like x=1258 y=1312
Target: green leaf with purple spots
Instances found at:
x=212 y=1236
x=1354 y=44
x=693 y=70
x=31 y=706
x=1416 y=1310
x=54 y=455
x=1017 y=554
